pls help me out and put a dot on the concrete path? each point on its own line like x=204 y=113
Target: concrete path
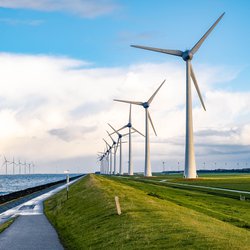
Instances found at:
x=31 y=230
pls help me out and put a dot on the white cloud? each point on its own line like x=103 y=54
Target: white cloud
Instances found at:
x=55 y=110
x=83 y=8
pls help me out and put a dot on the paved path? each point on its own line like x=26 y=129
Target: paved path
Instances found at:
x=31 y=230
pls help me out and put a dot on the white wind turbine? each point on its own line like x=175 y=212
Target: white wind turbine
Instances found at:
x=19 y=166
x=130 y=127
x=6 y=164
x=190 y=165
x=109 y=157
x=145 y=105
x=114 y=146
x=13 y=165
x=119 y=144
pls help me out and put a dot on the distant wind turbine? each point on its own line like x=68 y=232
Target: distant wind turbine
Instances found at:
x=187 y=56
x=119 y=144
x=6 y=164
x=109 y=157
x=114 y=147
x=130 y=127
x=13 y=165
x=145 y=105
x=19 y=166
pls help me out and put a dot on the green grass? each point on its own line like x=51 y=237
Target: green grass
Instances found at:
x=88 y=220
x=222 y=208
x=6 y=225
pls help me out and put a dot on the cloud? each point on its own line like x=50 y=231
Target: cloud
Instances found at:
x=56 y=109
x=71 y=133
x=82 y=8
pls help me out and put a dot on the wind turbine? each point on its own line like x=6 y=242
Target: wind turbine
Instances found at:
x=19 y=166
x=25 y=164
x=114 y=147
x=119 y=142
x=145 y=105
x=109 y=157
x=187 y=56
x=6 y=164
x=130 y=127
x=13 y=165
x=33 y=165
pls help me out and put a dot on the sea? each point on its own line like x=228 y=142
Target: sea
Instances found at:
x=13 y=183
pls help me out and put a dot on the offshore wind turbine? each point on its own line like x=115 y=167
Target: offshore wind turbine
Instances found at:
x=6 y=164
x=19 y=166
x=145 y=105
x=13 y=165
x=187 y=56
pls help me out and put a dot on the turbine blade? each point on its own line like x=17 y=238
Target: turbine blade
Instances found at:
x=151 y=123
x=110 y=136
x=138 y=132
x=107 y=143
x=152 y=97
x=115 y=131
x=165 y=51
x=132 y=132
x=131 y=102
x=122 y=128
x=197 y=86
x=199 y=43
x=129 y=119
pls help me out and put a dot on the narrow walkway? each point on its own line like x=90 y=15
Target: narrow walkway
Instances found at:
x=31 y=230
x=30 y=233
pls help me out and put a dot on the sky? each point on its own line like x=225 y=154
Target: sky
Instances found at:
x=63 y=62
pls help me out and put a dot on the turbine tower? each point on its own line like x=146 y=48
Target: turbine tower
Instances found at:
x=187 y=56
x=145 y=105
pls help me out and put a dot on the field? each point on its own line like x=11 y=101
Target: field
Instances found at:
x=154 y=215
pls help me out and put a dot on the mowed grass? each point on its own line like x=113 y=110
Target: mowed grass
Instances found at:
x=88 y=220
x=215 y=205
x=237 y=181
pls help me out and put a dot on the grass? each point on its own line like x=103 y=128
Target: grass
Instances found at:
x=239 y=181
x=6 y=225
x=88 y=219
x=222 y=208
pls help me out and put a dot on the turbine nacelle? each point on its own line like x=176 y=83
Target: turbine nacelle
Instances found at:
x=129 y=125
x=187 y=55
x=145 y=105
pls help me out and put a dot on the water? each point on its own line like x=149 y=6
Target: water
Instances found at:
x=13 y=183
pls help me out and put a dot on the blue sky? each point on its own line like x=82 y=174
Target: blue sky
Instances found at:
x=100 y=32
x=104 y=39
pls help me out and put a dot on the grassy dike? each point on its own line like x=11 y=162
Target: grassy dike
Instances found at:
x=88 y=220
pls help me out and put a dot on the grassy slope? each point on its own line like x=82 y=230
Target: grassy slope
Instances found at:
x=222 y=208
x=88 y=220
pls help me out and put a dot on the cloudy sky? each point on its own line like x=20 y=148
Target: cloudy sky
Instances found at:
x=63 y=62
